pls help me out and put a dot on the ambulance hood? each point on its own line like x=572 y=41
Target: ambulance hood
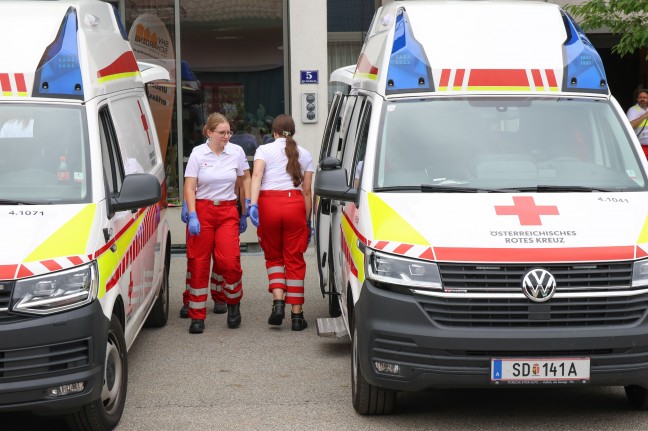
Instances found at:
x=534 y=227
x=41 y=238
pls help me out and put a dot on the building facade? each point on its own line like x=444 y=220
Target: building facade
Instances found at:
x=255 y=59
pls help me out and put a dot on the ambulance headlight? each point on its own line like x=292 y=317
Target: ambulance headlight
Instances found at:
x=56 y=292
x=640 y=273
x=403 y=271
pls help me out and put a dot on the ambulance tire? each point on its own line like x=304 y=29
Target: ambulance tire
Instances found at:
x=367 y=399
x=104 y=413
x=334 y=296
x=637 y=396
x=160 y=312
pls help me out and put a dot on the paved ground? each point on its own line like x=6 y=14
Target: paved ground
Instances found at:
x=259 y=377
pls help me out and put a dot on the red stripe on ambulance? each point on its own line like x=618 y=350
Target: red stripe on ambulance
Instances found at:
x=5 y=84
x=570 y=254
x=20 y=84
x=8 y=272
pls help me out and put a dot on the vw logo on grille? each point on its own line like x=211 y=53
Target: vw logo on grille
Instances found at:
x=539 y=285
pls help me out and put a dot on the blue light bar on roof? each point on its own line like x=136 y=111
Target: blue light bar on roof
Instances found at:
x=59 y=73
x=584 y=70
x=409 y=69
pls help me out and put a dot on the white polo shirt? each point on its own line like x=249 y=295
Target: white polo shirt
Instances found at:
x=275 y=176
x=216 y=175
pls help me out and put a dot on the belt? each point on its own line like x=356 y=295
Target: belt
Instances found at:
x=287 y=193
x=217 y=202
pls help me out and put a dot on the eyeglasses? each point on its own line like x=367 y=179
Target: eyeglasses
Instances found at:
x=224 y=132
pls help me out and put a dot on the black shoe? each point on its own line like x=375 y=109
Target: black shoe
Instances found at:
x=298 y=321
x=233 y=315
x=278 y=312
x=184 y=312
x=220 y=308
x=197 y=326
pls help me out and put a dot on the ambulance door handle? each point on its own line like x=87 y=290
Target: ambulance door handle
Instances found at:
x=333 y=208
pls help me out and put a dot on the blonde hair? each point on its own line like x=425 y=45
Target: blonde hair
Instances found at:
x=213 y=121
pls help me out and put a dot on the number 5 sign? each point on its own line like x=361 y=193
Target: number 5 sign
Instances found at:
x=309 y=77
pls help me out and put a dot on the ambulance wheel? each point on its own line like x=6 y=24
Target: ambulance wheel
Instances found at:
x=367 y=398
x=160 y=312
x=105 y=412
x=637 y=396
x=333 y=298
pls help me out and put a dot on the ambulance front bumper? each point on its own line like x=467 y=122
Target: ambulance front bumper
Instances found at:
x=40 y=353
x=395 y=329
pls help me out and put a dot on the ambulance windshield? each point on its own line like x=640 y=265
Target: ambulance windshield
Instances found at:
x=506 y=143
x=43 y=154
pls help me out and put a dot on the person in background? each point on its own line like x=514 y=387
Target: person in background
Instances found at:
x=638 y=116
x=280 y=209
x=213 y=172
x=243 y=138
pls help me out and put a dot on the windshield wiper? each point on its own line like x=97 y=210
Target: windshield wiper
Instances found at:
x=433 y=188
x=554 y=189
x=16 y=202
x=439 y=188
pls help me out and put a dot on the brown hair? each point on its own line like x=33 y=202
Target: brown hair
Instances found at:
x=284 y=126
x=213 y=121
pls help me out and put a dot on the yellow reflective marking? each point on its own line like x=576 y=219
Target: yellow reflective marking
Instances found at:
x=71 y=239
x=388 y=225
x=109 y=261
x=643 y=235
x=357 y=256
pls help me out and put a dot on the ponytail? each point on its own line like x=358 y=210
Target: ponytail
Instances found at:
x=284 y=126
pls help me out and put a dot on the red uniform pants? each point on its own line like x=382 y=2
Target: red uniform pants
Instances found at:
x=283 y=236
x=218 y=240
x=216 y=283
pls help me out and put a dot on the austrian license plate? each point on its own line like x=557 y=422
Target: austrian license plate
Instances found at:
x=540 y=370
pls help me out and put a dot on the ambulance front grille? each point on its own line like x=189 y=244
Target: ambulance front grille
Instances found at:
x=520 y=312
x=43 y=360
x=507 y=307
x=5 y=297
x=574 y=277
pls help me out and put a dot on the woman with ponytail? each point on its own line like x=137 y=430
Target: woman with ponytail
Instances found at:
x=280 y=209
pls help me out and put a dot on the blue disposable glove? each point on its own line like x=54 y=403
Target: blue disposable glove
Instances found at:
x=310 y=231
x=253 y=212
x=247 y=206
x=184 y=215
x=242 y=223
x=194 y=224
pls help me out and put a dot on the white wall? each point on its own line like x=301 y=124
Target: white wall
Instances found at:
x=308 y=47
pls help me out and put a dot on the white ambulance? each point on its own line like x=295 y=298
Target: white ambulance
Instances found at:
x=483 y=207
x=84 y=262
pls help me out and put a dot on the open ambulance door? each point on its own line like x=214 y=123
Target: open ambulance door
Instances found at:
x=323 y=205
x=152 y=72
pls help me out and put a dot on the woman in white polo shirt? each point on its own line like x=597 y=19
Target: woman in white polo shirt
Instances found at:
x=280 y=207
x=213 y=172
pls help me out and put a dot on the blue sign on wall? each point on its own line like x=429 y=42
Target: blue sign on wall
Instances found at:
x=309 y=77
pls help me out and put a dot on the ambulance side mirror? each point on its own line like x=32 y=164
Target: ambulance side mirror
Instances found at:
x=331 y=181
x=137 y=191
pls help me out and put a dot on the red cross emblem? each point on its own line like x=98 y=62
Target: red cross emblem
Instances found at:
x=527 y=211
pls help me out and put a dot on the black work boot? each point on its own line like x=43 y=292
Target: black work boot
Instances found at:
x=278 y=312
x=220 y=307
x=298 y=321
x=184 y=312
x=197 y=326
x=233 y=315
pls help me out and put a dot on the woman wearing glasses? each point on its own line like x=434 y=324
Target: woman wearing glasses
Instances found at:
x=214 y=171
x=281 y=205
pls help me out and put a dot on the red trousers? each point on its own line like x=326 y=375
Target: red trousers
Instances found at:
x=283 y=236
x=218 y=240
x=216 y=283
